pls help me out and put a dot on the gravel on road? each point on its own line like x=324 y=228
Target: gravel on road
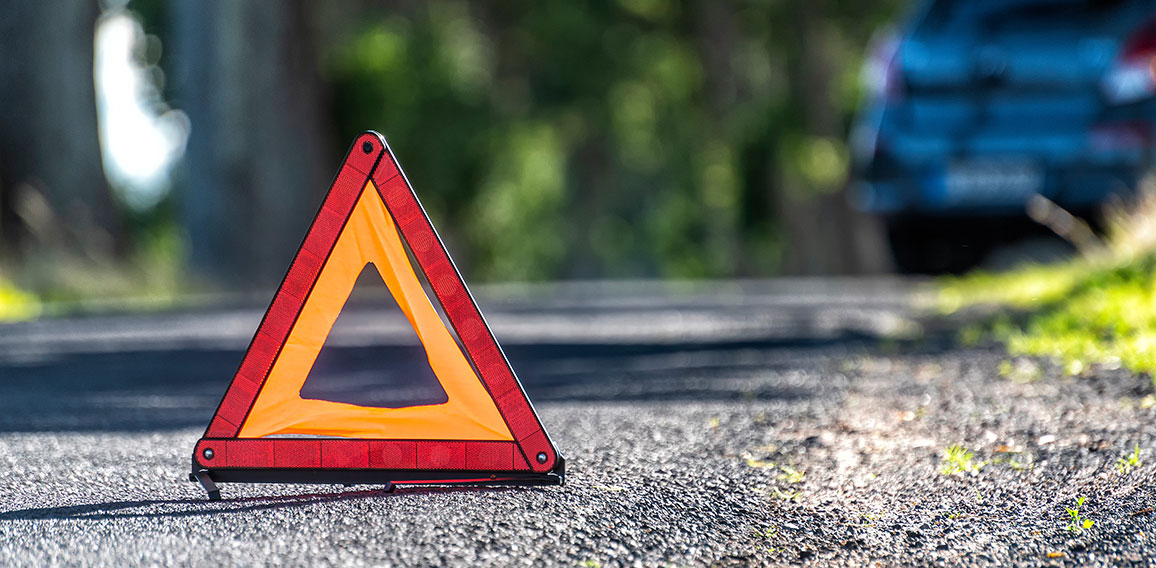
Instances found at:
x=764 y=423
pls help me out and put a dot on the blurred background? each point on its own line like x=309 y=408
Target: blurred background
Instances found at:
x=157 y=148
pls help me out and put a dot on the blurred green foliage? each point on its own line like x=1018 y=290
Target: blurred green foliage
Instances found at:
x=607 y=139
x=616 y=138
x=16 y=304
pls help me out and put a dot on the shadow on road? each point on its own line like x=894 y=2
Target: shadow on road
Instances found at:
x=169 y=389
x=636 y=343
x=176 y=508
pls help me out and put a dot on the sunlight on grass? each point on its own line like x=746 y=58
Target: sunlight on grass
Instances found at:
x=152 y=276
x=1104 y=315
x=1024 y=288
x=958 y=459
x=1098 y=309
x=16 y=305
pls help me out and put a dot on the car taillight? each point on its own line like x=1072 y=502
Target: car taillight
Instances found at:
x=1131 y=76
x=882 y=73
x=1119 y=136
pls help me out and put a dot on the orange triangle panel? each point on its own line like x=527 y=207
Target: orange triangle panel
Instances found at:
x=264 y=431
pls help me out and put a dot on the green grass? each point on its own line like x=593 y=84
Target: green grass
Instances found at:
x=1079 y=314
x=1027 y=464
x=1077 y=522
x=791 y=475
x=958 y=459
x=16 y=304
x=55 y=282
x=1026 y=288
x=791 y=496
x=1129 y=462
x=1096 y=309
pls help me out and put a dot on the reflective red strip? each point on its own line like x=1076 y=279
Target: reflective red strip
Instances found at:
x=249 y=453
x=346 y=189
x=345 y=454
x=214 y=457
x=393 y=454
x=520 y=462
x=490 y=455
x=361 y=160
x=534 y=445
x=297 y=453
x=221 y=428
x=360 y=454
x=441 y=455
x=386 y=170
x=302 y=273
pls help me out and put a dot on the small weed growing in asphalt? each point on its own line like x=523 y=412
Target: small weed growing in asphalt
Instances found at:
x=1020 y=371
x=792 y=475
x=1028 y=464
x=978 y=496
x=591 y=563
x=611 y=488
x=1078 y=523
x=754 y=462
x=958 y=459
x=794 y=496
x=767 y=535
x=1125 y=464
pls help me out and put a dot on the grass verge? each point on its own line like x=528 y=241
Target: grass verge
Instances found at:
x=1096 y=309
x=16 y=304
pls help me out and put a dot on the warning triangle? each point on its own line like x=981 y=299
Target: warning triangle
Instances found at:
x=266 y=430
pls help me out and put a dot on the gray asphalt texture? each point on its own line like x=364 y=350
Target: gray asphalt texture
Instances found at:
x=761 y=423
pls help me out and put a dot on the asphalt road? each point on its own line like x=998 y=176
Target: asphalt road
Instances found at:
x=760 y=423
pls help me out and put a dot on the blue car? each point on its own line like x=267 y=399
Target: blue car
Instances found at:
x=976 y=106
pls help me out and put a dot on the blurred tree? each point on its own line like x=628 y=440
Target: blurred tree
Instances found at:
x=259 y=154
x=620 y=138
x=617 y=138
x=823 y=234
x=54 y=200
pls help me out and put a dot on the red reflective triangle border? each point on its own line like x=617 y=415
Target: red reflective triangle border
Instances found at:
x=219 y=449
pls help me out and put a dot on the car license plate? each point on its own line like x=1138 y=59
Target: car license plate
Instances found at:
x=994 y=182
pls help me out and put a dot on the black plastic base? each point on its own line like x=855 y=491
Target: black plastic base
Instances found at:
x=208 y=478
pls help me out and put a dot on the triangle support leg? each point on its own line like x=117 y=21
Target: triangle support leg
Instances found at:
x=202 y=477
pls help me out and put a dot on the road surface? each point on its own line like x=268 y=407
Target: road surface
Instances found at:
x=754 y=423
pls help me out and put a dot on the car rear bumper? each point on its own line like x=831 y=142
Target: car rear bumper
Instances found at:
x=946 y=190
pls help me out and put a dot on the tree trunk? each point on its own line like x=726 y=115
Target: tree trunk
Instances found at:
x=259 y=155
x=824 y=235
x=717 y=33
x=54 y=198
